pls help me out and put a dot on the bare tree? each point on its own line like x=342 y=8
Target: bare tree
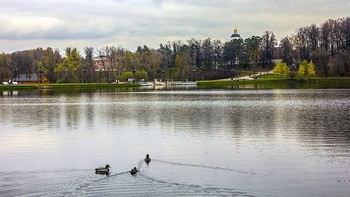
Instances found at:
x=89 y=60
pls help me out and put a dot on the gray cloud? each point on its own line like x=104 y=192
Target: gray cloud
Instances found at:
x=137 y=22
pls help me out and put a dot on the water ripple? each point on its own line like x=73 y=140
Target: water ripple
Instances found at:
x=204 y=166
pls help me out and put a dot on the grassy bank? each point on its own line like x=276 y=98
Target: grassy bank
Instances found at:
x=62 y=86
x=272 y=81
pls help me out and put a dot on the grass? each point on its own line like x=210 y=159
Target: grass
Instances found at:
x=271 y=77
x=244 y=73
x=274 y=81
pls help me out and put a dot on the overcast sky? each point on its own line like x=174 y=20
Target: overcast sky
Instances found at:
x=28 y=24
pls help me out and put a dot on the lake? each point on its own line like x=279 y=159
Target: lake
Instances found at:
x=201 y=142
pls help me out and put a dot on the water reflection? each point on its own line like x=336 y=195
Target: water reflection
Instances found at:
x=265 y=143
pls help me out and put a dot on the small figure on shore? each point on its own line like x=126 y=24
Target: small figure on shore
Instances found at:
x=147 y=159
x=133 y=171
x=102 y=170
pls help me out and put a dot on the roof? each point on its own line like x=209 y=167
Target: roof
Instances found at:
x=235 y=34
x=26 y=78
x=101 y=58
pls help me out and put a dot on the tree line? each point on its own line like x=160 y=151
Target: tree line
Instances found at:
x=327 y=45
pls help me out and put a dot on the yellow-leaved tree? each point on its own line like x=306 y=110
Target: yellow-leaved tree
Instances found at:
x=311 y=69
x=281 y=68
x=307 y=68
x=303 y=68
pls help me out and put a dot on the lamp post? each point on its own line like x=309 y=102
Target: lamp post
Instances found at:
x=133 y=74
x=84 y=71
x=163 y=71
x=194 y=74
x=41 y=74
x=100 y=71
x=15 y=71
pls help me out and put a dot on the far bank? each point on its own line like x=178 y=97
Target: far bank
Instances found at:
x=279 y=83
x=62 y=86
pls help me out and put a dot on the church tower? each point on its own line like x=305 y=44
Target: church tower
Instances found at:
x=235 y=34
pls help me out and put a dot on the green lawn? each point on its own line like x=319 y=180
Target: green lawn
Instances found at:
x=274 y=81
x=271 y=77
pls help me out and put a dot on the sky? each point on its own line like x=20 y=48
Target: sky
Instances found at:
x=28 y=24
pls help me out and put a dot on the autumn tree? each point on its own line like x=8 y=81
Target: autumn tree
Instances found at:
x=281 y=68
x=307 y=68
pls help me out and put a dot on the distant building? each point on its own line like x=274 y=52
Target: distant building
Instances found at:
x=235 y=34
x=101 y=63
x=27 y=78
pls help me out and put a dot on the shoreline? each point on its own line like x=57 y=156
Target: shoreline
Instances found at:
x=260 y=83
x=68 y=86
x=283 y=83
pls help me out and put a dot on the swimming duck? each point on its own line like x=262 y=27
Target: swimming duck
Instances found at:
x=102 y=170
x=133 y=171
x=147 y=159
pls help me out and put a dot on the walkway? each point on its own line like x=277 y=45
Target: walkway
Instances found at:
x=250 y=77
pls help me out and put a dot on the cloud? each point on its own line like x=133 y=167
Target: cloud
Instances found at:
x=151 y=22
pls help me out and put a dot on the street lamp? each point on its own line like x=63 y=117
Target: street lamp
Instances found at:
x=133 y=74
x=100 y=71
x=163 y=71
x=194 y=74
x=41 y=74
x=15 y=71
x=84 y=71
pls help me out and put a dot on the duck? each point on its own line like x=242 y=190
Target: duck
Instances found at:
x=147 y=159
x=133 y=171
x=102 y=170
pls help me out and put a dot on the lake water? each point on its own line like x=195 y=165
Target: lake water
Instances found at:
x=202 y=143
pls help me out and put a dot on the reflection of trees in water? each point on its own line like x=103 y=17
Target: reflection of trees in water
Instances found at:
x=72 y=115
x=325 y=130
x=28 y=112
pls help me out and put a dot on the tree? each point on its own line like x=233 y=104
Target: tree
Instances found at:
x=89 y=64
x=301 y=41
x=5 y=67
x=217 y=53
x=321 y=59
x=125 y=76
x=311 y=69
x=47 y=63
x=313 y=36
x=165 y=55
x=307 y=68
x=111 y=55
x=268 y=45
x=141 y=74
x=281 y=68
x=70 y=68
x=207 y=53
x=287 y=50
x=303 y=68
x=232 y=52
